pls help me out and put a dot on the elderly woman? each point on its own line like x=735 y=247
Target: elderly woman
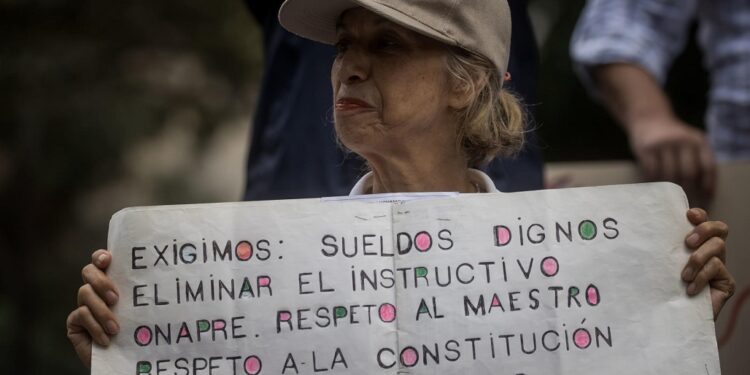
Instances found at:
x=418 y=94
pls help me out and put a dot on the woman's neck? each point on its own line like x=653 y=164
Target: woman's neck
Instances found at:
x=421 y=174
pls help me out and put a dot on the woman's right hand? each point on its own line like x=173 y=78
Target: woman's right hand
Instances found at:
x=93 y=320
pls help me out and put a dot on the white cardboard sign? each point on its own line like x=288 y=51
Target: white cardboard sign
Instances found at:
x=573 y=281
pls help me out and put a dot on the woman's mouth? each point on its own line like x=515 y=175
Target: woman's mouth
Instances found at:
x=351 y=104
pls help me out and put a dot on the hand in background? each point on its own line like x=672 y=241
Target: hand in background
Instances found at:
x=668 y=149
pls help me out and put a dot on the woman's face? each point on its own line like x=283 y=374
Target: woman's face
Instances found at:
x=391 y=88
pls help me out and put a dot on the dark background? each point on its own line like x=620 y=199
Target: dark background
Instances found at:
x=105 y=105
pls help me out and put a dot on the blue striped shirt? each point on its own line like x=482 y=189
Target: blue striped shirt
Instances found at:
x=651 y=33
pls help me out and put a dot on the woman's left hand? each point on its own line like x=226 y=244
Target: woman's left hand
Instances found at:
x=707 y=264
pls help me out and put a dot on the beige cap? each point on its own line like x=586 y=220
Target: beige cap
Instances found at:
x=479 y=26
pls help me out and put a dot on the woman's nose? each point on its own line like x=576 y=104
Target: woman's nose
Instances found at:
x=354 y=66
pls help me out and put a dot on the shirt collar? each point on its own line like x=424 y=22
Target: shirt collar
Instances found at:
x=364 y=185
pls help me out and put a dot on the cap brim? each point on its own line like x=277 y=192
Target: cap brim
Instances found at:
x=316 y=20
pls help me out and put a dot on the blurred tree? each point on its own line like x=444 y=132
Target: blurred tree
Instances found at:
x=82 y=82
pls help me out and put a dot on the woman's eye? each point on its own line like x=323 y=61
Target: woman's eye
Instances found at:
x=341 y=47
x=387 y=44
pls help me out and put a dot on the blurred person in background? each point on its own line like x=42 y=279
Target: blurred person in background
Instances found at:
x=294 y=152
x=623 y=51
x=293 y=149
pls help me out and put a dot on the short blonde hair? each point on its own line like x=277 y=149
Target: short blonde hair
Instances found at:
x=492 y=124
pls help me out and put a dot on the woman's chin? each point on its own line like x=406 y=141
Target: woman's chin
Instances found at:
x=356 y=120
x=357 y=133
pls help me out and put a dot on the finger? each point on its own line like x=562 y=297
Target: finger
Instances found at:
x=722 y=289
x=688 y=166
x=712 y=268
x=703 y=231
x=79 y=337
x=650 y=164
x=714 y=247
x=100 y=311
x=669 y=164
x=101 y=258
x=697 y=215
x=82 y=322
x=708 y=170
x=102 y=284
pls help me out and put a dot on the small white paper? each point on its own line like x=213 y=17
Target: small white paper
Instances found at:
x=573 y=281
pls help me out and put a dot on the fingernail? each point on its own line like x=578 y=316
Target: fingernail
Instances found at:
x=112 y=327
x=100 y=259
x=111 y=298
x=687 y=274
x=691 y=289
x=693 y=239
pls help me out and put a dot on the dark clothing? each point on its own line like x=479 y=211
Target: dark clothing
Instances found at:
x=525 y=171
x=294 y=154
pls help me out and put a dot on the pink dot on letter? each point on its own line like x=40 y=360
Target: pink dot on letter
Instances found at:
x=423 y=241
x=264 y=281
x=409 y=356
x=284 y=316
x=387 y=312
x=550 y=266
x=495 y=301
x=143 y=336
x=252 y=365
x=502 y=235
x=244 y=250
x=592 y=295
x=219 y=324
x=582 y=338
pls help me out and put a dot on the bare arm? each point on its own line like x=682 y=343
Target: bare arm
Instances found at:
x=666 y=147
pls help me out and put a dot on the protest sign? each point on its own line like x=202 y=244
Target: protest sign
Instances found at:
x=571 y=281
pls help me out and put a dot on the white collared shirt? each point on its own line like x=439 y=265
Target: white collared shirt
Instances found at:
x=477 y=177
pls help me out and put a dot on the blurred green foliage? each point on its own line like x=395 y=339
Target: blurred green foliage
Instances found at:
x=83 y=81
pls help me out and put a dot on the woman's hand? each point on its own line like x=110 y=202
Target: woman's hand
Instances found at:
x=93 y=319
x=707 y=264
